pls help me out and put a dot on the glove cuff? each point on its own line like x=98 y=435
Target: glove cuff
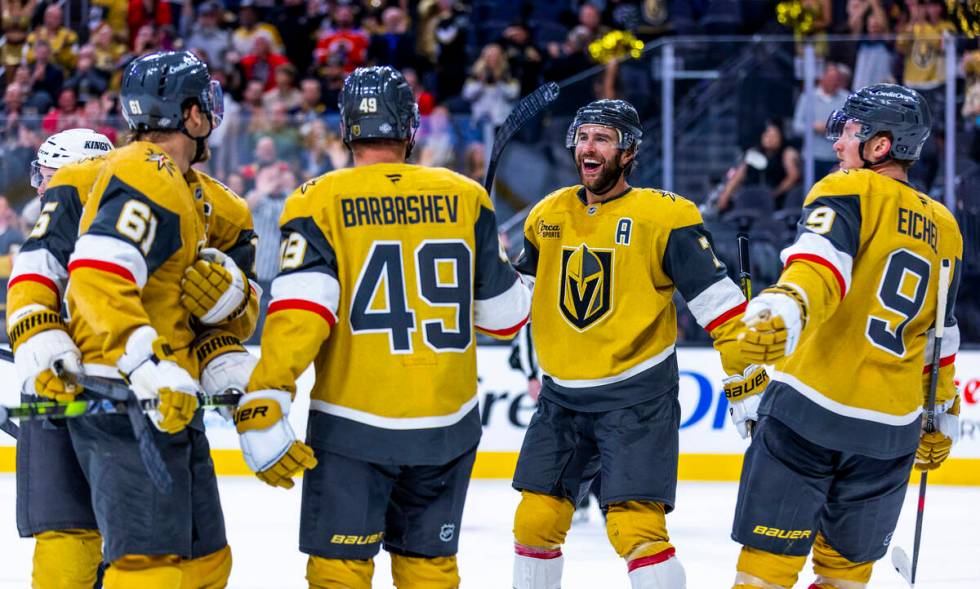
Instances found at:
x=30 y=321
x=284 y=398
x=211 y=344
x=793 y=293
x=753 y=381
x=143 y=345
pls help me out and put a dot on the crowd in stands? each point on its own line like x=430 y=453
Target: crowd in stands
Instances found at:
x=282 y=64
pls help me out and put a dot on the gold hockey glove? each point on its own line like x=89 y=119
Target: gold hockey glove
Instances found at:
x=269 y=445
x=214 y=289
x=935 y=446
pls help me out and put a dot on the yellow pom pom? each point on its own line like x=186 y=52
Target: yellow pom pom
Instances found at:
x=615 y=45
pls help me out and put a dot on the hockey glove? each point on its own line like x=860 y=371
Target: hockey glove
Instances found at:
x=214 y=289
x=224 y=365
x=40 y=343
x=934 y=446
x=774 y=319
x=744 y=394
x=150 y=369
x=269 y=446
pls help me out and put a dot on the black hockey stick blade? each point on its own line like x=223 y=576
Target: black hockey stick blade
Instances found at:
x=902 y=564
x=9 y=427
x=149 y=453
x=529 y=107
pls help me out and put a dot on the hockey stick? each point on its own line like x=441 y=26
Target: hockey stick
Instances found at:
x=83 y=407
x=526 y=109
x=745 y=282
x=900 y=560
x=149 y=453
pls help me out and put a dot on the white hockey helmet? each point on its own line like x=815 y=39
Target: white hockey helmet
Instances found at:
x=68 y=147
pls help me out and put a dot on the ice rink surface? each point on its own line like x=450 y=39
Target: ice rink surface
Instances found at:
x=263 y=525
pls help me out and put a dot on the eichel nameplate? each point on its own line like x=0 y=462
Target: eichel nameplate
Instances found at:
x=586 y=285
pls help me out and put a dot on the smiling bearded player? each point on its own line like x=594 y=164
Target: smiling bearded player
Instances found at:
x=606 y=258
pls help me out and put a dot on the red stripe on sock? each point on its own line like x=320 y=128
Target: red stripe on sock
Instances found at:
x=650 y=560
x=539 y=553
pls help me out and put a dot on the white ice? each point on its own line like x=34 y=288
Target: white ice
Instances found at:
x=263 y=526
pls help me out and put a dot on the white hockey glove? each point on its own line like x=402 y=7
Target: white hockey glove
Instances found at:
x=269 y=445
x=214 y=289
x=152 y=372
x=935 y=446
x=225 y=364
x=744 y=394
x=775 y=320
x=40 y=342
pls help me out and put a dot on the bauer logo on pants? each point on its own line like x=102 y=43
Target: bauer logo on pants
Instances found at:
x=586 y=285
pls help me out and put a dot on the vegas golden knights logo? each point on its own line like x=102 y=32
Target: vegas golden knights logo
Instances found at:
x=586 y=285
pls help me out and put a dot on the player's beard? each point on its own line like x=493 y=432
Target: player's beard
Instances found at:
x=609 y=174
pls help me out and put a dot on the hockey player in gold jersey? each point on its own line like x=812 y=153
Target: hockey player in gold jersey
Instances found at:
x=605 y=259
x=848 y=327
x=53 y=503
x=387 y=271
x=141 y=229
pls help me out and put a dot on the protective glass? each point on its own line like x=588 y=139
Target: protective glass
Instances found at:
x=836 y=123
x=36 y=176
x=213 y=99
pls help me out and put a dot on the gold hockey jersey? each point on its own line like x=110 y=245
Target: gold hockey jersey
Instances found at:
x=866 y=257
x=140 y=228
x=40 y=272
x=387 y=271
x=602 y=315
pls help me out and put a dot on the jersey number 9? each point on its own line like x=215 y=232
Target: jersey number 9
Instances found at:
x=902 y=291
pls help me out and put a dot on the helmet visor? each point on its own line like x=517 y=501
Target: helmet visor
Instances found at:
x=213 y=99
x=36 y=176
x=838 y=120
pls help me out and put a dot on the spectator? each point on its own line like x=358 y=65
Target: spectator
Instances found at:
x=324 y=150
x=267 y=201
x=284 y=91
x=590 y=18
x=491 y=90
x=437 y=142
x=62 y=41
x=45 y=76
x=265 y=155
x=873 y=63
x=16 y=22
x=423 y=98
x=772 y=164
x=36 y=103
x=261 y=64
x=475 y=162
x=283 y=132
x=12 y=109
x=311 y=105
x=207 y=35
x=332 y=74
x=109 y=54
x=344 y=45
x=17 y=161
x=395 y=46
x=565 y=60
x=11 y=236
x=828 y=96
x=921 y=44
x=250 y=29
x=88 y=82
x=523 y=57
x=971 y=101
x=93 y=116
x=152 y=13
x=65 y=113
x=450 y=31
x=298 y=21
x=114 y=13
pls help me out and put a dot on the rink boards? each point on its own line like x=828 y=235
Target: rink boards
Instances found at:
x=711 y=450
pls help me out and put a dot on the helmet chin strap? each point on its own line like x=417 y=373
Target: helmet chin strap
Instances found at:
x=200 y=143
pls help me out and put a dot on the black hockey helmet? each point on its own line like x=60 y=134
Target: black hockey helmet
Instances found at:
x=617 y=114
x=879 y=108
x=156 y=89
x=377 y=103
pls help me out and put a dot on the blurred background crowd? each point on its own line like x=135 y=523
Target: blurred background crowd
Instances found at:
x=739 y=120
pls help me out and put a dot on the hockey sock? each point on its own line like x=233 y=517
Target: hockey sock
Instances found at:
x=836 y=572
x=537 y=568
x=540 y=525
x=141 y=571
x=333 y=573
x=778 y=570
x=412 y=572
x=66 y=559
x=207 y=572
